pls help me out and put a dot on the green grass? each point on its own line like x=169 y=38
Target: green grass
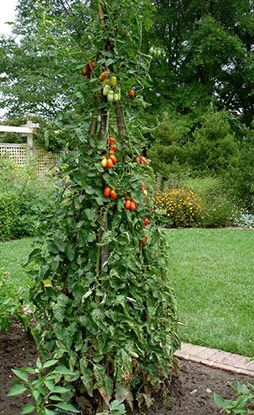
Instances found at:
x=12 y=255
x=213 y=274
x=14 y=283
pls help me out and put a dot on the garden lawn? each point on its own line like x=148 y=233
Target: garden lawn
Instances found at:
x=213 y=275
x=14 y=283
x=12 y=255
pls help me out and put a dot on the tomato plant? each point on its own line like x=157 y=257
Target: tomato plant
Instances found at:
x=107 y=312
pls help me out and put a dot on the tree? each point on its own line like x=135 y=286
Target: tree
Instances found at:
x=206 y=55
x=38 y=75
x=103 y=303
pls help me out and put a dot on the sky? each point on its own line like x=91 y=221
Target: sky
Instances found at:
x=7 y=13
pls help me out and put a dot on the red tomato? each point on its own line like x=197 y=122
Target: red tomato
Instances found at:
x=111 y=140
x=127 y=204
x=146 y=221
x=109 y=164
x=133 y=206
x=113 y=194
x=113 y=158
x=113 y=148
x=143 y=160
x=107 y=192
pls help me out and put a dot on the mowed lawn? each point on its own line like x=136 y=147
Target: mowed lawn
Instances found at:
x=212 y=271
x=13 y=254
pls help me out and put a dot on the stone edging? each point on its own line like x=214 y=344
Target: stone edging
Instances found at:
x=218 y=359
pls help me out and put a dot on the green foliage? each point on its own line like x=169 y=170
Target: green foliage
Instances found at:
x=12 y=297
x=42 y=384
x=206 y=55
x=219 y=211
x=213 y=147
x=9 y=215
x=181 y=207
x=242 y=178
x=103 y=303
x=243 y=404
x=107 y=322
x=23 y=197
x=203 y=145
x=115 y=408
x=218 y=208
x=168 y=139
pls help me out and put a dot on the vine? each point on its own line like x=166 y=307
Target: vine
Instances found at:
x=103 y=304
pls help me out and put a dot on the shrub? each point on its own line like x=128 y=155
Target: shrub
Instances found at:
x=213 y=147
x=218 y=210
x=9 y=215
x=181 y=206
x=23 y=196
x=242 y=178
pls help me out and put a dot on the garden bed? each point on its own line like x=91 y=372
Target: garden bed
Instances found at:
x=191 y=390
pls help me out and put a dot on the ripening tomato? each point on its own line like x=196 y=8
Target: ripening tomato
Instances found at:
x=111 y=140
x=113 y=148
x=133 y=206
x=131 y=92
x=107 y=192
x=103 y=76
x=143 y=160
x=146 y=222
x=127 y=204
x=113 y=158
x=109 y=164
x=113 y=194
x=104 y=162
x=144 y=240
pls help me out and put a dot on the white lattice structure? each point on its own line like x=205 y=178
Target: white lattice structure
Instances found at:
x=21 y=152
x=14 y=151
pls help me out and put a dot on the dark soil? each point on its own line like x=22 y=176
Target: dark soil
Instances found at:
x=191 y=391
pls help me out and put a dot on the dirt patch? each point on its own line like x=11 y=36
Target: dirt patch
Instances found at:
x=17 y=350
x=190 y=392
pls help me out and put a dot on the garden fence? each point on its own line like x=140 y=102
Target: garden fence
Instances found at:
x=20 y=153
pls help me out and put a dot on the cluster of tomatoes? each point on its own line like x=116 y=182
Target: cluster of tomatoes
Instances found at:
x=110 y=160
x=107 y=192
x=110 y=88
x=109 y=82
x=130 y=204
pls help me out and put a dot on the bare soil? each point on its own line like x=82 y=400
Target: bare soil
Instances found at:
x=190 y=391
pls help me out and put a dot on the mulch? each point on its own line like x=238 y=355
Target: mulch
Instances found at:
x=190 y=391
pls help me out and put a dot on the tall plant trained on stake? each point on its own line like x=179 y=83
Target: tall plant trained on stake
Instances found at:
x=104 y=307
